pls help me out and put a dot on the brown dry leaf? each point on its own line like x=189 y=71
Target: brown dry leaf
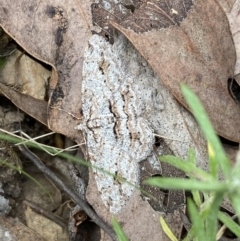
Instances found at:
x=56 y=33
x=167 y=202
x=108 y=10
x=231 y=152
x=137 y=219
x=24 y=80
x=189 y=44
x=35 y=108
x=25 y=75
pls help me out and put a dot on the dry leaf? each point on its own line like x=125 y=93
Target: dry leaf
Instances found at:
x=56 y=33
x=35 y=108
x=108 y=10
x=138 y=219
x=167 y=202
x=25 y=75
x=189 y=44
x=231 y=152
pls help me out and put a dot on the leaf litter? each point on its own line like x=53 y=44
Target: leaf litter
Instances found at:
x=157 y=98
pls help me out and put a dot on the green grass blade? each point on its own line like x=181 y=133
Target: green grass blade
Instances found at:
x=187 y=167
x=117 y=228
x=167 y=230
x=190 y=235
x=198 y=227
x=235 y=202
x=196 y=194
x=206 y=205
x=212 y=217
x=229 y=223
x=73 y=159
x=212 y=161
x=234 y=187
x=206 y=126
x=191 y=156
x=186 y=184
x=197 y=198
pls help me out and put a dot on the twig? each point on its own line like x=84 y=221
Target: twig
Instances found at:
x=84 y=205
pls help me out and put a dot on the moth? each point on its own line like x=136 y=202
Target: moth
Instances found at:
x=116 y=132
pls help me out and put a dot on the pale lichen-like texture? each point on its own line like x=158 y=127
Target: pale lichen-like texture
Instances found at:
x=234 y=20
x=163 y=113
x=4 y=203
x=117 y=135
x=123 y=103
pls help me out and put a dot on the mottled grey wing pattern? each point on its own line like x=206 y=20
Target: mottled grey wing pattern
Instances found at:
x=117 y=135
